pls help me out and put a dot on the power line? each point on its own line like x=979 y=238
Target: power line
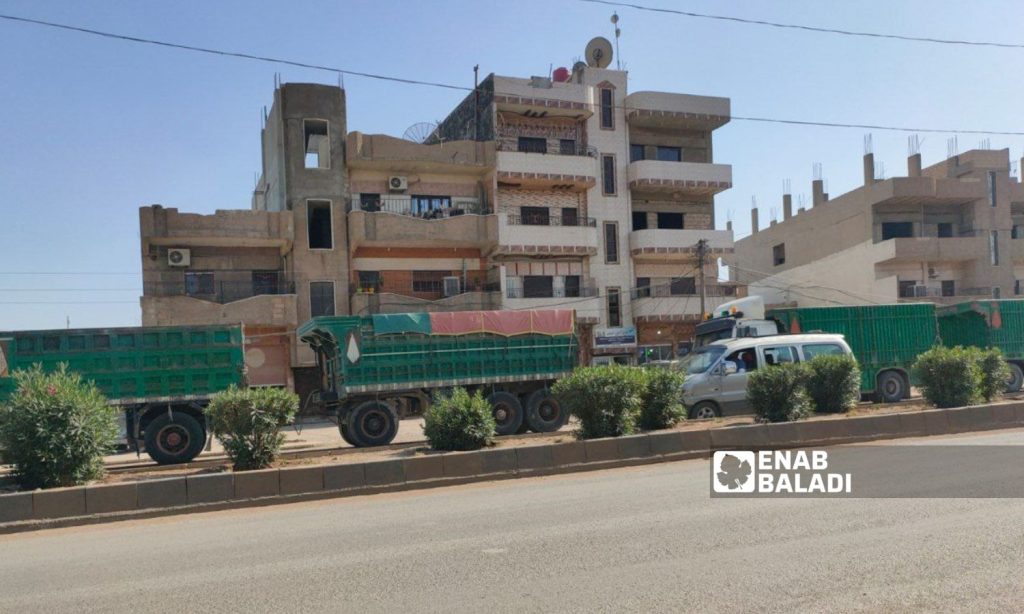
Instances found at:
x=793 y=26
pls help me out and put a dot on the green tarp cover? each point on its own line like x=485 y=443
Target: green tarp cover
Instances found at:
x=389 y=324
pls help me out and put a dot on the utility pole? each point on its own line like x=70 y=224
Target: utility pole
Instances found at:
x=701 y=253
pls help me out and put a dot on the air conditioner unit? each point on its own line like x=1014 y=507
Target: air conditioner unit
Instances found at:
x=452 y=286
x=398 y=184
x=179 y=257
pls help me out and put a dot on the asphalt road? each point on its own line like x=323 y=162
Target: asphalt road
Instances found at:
x=639 y=539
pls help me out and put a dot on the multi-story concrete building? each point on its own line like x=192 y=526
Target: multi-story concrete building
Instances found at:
x=944 y=233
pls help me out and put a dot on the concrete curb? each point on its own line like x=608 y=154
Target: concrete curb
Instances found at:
x=61 y=507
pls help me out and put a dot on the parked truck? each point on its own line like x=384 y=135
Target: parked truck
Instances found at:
x=743 y=317
x=988 y=323
x=377 y=369
x=160 y=377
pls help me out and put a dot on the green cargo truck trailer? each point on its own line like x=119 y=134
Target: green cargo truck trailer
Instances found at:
x=378 y=369
x=988 y=323
x=161 y=377
x=886 y=339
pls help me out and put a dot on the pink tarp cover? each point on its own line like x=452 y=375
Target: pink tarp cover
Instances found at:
x=506 y=323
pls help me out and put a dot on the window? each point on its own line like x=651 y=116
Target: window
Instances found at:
x=607 y=108
x=906 y=289
x=567 y=147
x=369 y=202
x=672 y=221
x=318 y=146
x=683 y=286
x=643 y=287
x=670 y=154
x=992 y=188
x=993 y=247
x=1016 y=231
x=264 y=282
x=428 y=282
x=639 y=220
x=746 y=360
x=948 y=288
x=779 y=355
x=535 y=216
x=1016 y=287
x=321 y=298
x=318 y=216
x=608 y=175
x=945 y=229
x=538 y=286
x=369 y=281
x=101 y=342
x=197 y=283
x=636 y=152
x=897 y=230
x=530 y=144
x=611 y=243
x=614 y=307
x=812 y=350
x=429 y=206
x=572 y=286
x=570 y=216
x=51 y=343
x=779 y=254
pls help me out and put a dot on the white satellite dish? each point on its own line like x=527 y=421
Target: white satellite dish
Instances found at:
x=599 y=52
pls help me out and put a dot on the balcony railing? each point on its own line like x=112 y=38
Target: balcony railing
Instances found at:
x=551 y=220
x=543 y=148
x=422 y=209
x=581 y=292
x=928 y=292
x=207 y=287
x=664 y=289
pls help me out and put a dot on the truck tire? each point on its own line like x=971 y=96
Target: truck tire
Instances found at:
x=346 y=435
x=507 y=412
x=373 y=423
x=544 y=413
x=174 y=439
x=891 y=387
x=1016 y=381
x=704 y=410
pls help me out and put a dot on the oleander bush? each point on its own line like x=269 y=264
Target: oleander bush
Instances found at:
x=778 y=393
x=248 y=422
x=607 y=399
x=994 y=373
x=661 y=405
x=833 y=383
x=459 y=421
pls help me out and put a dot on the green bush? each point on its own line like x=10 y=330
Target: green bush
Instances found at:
x=993 y=372
x=833 y=383
x=949 y=377
x=459 y=421
x=606 y=399
x=661 y=405
x=778 y=393
x=248 y=421
x=55 y=429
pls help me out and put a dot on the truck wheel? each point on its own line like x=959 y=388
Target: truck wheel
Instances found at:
x=704 y=410
x=507 y=412
x=173 y=439
x=372 y=423
x=544 y=413
x=1016 y=381
x=346 y=435
x=891 y=387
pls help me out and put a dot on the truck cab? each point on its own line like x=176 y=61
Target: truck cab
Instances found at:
x=744 y=317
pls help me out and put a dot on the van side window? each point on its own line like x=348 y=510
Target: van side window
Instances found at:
x=746 y=360
x=779 y=355
x=822 y=349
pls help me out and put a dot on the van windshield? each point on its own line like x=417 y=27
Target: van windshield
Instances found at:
x=701 y=360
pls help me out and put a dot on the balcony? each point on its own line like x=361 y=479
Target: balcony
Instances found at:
x=1018 y=250
x=558 y=236
x=363 y=303
x=931 y=249
x=689 y=178
x=389 y=154
x=542 y=96
x=406 y=223
x=665 y=110
x=222 y=286
x=167 y=227
x=576 y=172
x=657 y=303
x=657 y=244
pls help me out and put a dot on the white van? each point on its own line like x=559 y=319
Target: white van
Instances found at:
x=717 y=374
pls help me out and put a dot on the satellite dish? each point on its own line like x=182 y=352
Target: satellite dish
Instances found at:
x=599 y=52
x=419 y=132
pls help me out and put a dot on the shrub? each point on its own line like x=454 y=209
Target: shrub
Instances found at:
x=993 y=373
x=55 y=429
x=948 y=377
x=459 y=421
x=833 y=383
x=778 y=393
x=606 y=399
x=248 y=421
x=661 y=405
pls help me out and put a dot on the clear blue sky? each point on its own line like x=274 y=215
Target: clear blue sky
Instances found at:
x=94 y=128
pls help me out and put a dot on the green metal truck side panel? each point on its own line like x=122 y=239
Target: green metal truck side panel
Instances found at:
x=135 y=364
x=881 y=336
x=985 y=323
x=414 y=360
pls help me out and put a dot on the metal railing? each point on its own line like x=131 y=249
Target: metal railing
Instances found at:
x=581 y=292
x=930 y=292
x=422 y=209
x=531 y=147
x=665 y=289
x=209 y=287
x=550 y=220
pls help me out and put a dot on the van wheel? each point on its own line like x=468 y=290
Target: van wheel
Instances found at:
x=507 y=412
x=891 y=387
x=373 y=423
x=544 y=413
x=704 y=410
x=1016 y=381
x=173 y=439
